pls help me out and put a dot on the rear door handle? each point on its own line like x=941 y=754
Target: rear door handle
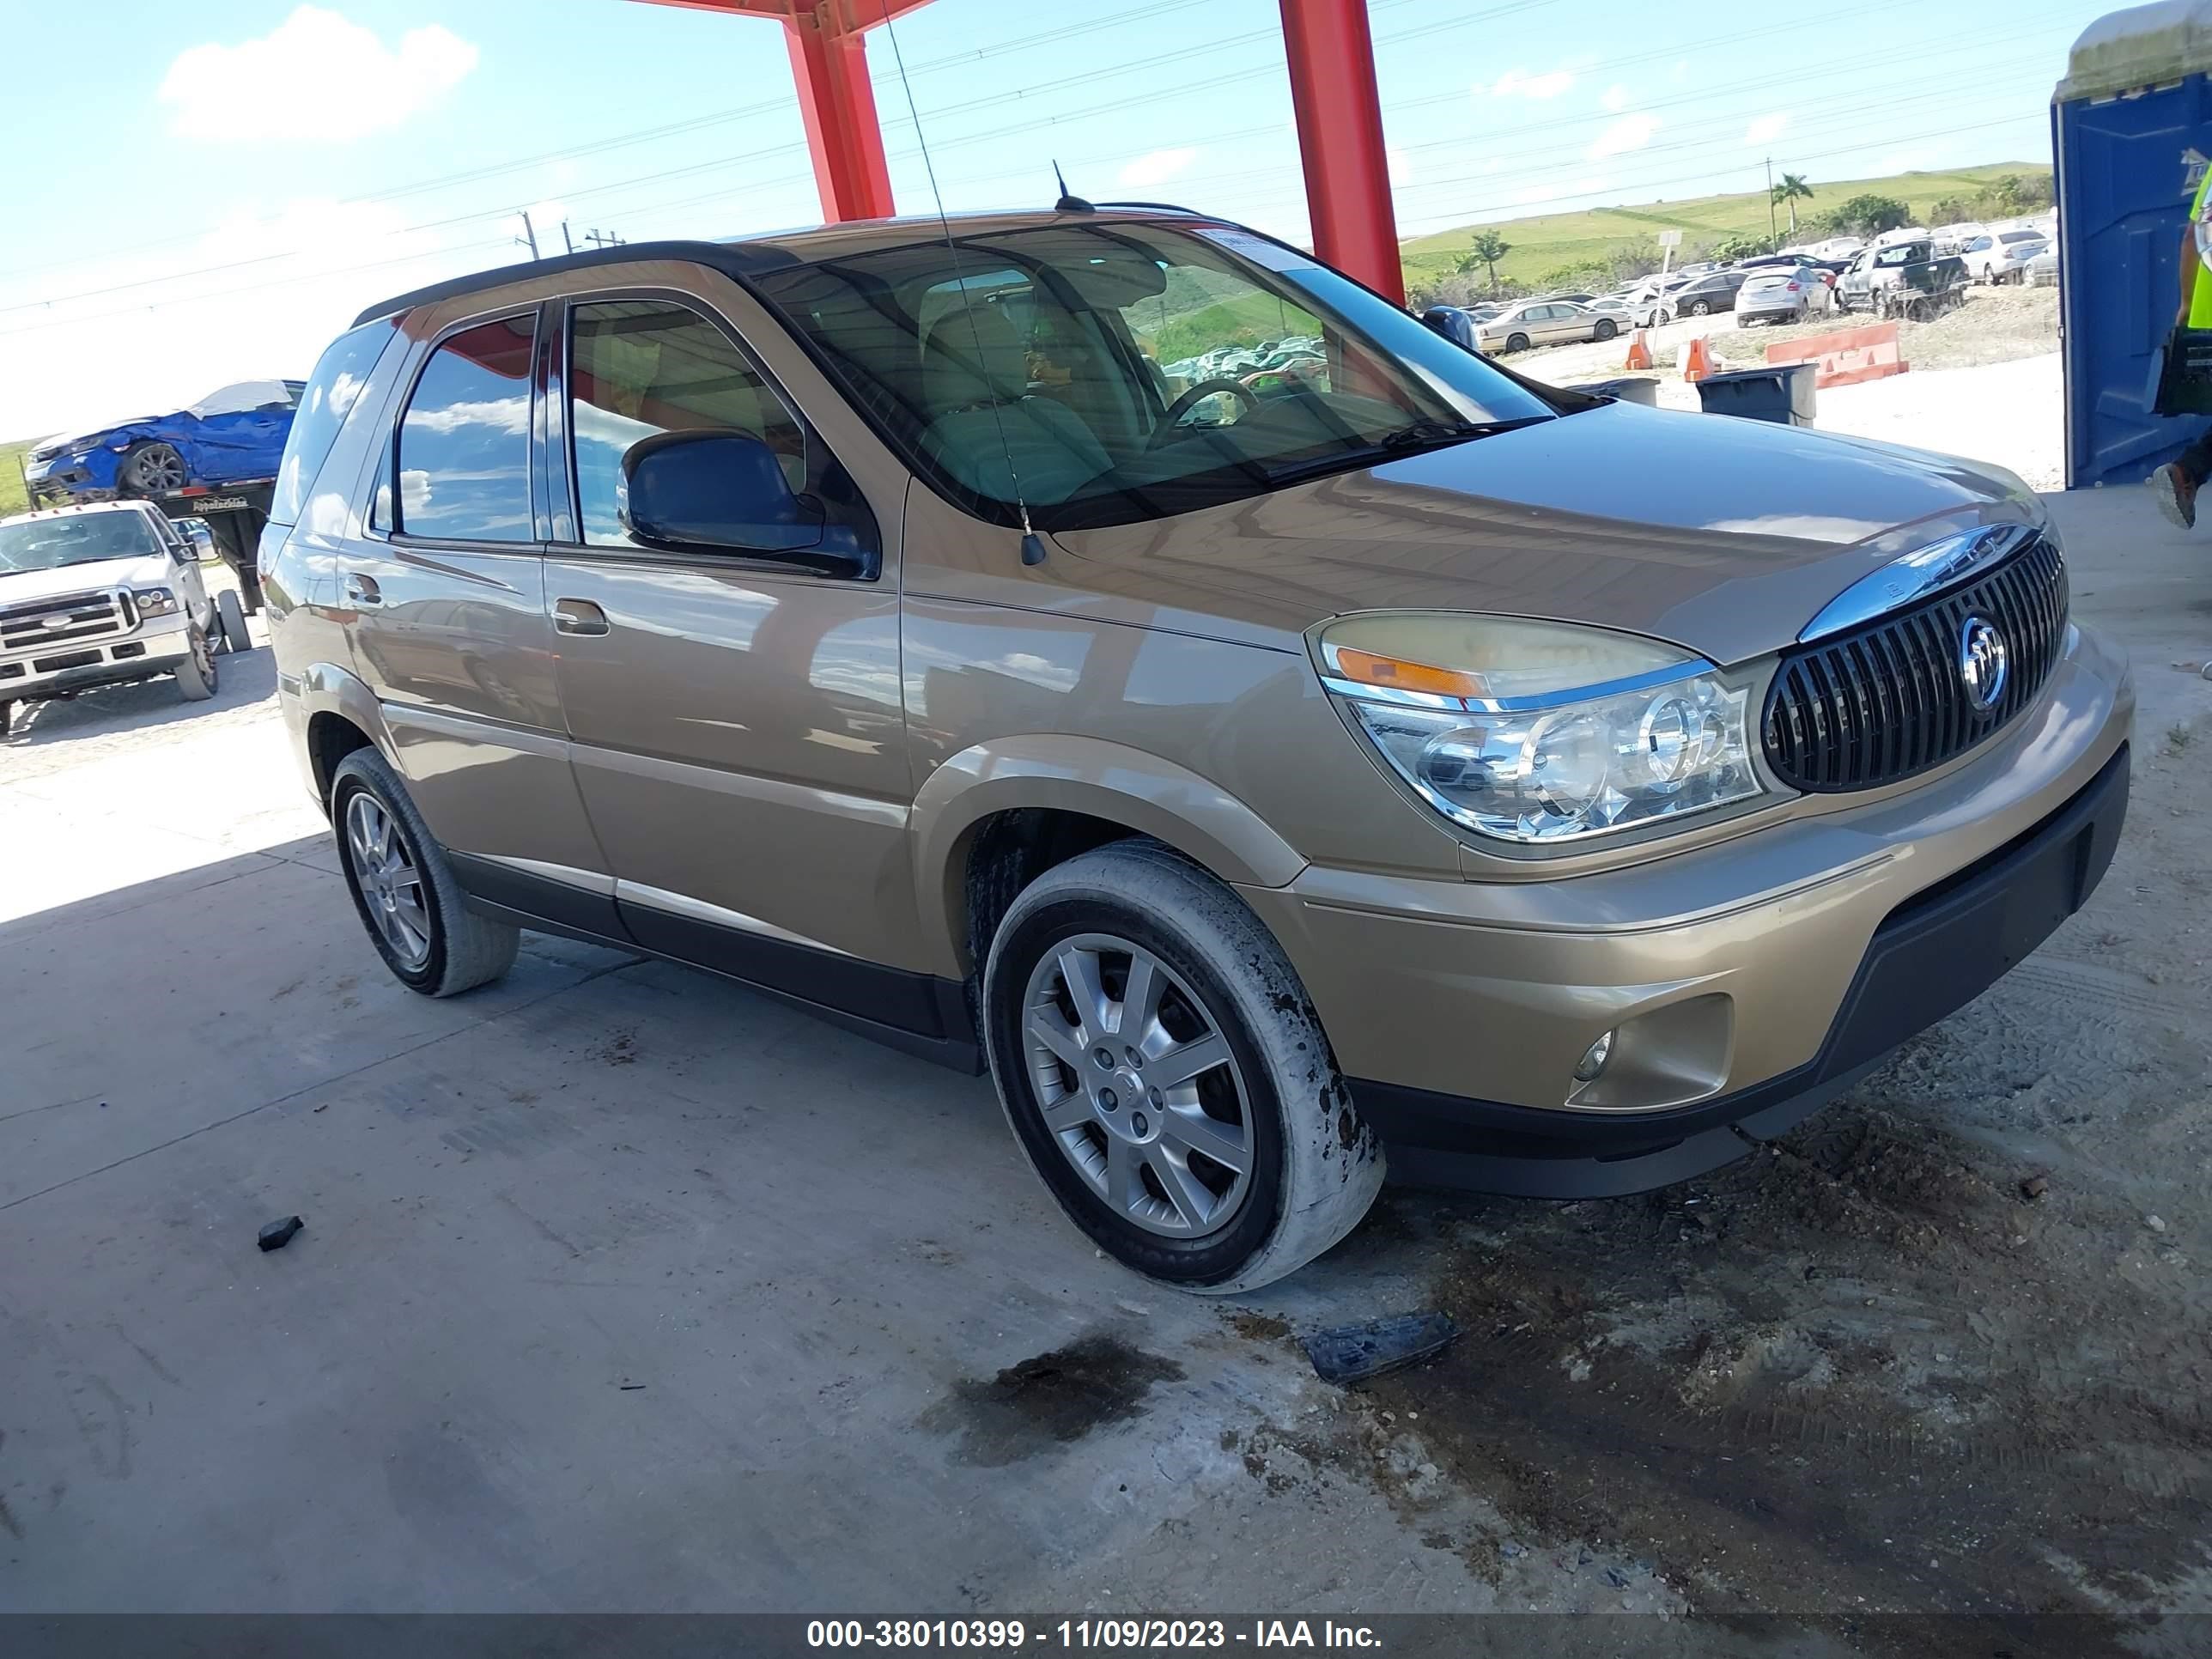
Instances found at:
x=579 y=617
x=363 y=590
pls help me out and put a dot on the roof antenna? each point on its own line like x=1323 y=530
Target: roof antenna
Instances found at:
x=1032 y=544
x=1068 y=203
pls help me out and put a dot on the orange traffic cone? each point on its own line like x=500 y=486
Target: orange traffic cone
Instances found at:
x=1639 y=350
x=1697 y=359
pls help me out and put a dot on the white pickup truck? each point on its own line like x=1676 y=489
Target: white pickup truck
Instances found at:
x=102 y=594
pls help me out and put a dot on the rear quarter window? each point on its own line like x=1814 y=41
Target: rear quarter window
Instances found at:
x=331 y=391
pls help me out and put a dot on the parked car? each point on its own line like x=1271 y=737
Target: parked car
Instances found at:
x=1612 y=305
x=1783 y=294
x=1544 y=322
x=2004 y=256
x=102 y=594
x=1914 y=264
x=1544 y=793
x=1573 y=298
x=1714 y=291
x=232 y=436
x=2043 y=269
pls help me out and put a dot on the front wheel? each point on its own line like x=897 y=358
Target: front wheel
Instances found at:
x=405 y=889
x=151 y=468
x=1517 y=343
x=7 y=717
x=1163 y=1070
x=1698 y=308
x=195 y=674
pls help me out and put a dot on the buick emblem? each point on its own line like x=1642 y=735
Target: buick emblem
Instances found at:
x=1982 y=664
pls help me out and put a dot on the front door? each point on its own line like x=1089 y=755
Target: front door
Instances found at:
x=446 y=596
x=738 y=733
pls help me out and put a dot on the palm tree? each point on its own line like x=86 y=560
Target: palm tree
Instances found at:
x=1792 y=190
x=1489 y=248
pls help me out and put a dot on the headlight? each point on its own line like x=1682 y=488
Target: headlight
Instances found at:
x=155 y=601
x=1540 y=732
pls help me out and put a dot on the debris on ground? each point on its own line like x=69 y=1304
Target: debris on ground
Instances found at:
x=1353 y=1353
x=2034 y=1187
x=278 y=1234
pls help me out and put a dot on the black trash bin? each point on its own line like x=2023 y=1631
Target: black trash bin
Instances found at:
x=1629 y=389
x=1783 y=393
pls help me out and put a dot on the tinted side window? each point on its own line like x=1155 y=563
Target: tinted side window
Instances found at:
x=637 y=367
x=339 y=376
x=464 y=441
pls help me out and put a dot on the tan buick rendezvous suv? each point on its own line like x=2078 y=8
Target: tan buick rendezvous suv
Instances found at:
x=1113 y=650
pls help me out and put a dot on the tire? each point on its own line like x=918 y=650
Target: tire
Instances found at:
x=7 y=717
x=450 y=948
x=1606 y=329
x=232 y=614
x=1517 y=343
x=1697 y=308
x=150 y=467
x=196 y=675
x=1311 y=1167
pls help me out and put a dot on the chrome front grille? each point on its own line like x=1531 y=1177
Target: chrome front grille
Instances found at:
x=41 y=624
x=1886 y=700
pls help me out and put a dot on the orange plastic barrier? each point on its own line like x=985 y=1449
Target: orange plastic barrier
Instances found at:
x=1847 y=356
x=1639 y=350
x=1697 y=359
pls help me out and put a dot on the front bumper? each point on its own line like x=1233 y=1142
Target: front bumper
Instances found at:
x=1749 y=979
x=156 y=647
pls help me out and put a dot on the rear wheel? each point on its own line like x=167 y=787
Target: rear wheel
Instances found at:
x=1163 y=1070
x=405 y=889
x=195 y=674
x=1606 y=329
x=232 y=614
x=7 y=717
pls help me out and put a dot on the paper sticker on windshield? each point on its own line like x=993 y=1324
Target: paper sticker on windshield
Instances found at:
x=1268 y=256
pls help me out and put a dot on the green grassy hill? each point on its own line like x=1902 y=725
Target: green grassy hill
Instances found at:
x=1550 y=240
x=11 y=475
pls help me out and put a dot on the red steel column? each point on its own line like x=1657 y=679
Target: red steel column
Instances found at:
x=839 y=106
x=1341 y=139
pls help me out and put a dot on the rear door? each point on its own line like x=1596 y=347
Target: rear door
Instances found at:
x=738 y=734
x=444 y=598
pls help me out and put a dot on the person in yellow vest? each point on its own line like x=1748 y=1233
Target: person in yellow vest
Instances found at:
x=2176 y=484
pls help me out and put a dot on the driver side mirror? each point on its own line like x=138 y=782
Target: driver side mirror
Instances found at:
x=722 y=491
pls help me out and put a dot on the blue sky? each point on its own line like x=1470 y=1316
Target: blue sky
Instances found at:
x=242 y=178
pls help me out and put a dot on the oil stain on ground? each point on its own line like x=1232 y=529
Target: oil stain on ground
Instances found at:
x=1050 y=1400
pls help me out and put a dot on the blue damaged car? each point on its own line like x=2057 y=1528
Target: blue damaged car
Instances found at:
x=232 y=438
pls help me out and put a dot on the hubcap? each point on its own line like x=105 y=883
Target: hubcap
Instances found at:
x=1137 y=1086
x=391 y=886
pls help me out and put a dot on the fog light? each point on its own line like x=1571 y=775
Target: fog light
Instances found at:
x=1594 y=1059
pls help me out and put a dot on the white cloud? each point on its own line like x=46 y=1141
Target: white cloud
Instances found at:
x=1621 y=136
x=1157 y=166
x=315 y=77
x=1766 y=129
x=1615 y=97
x=1519 y=83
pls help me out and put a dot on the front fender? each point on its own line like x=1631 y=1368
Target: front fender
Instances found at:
x=1102 y=780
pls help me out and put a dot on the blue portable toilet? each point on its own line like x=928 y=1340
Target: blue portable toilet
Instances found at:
x=2131 y=126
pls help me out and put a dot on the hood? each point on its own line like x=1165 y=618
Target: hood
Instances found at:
x=22 y=587
x=1721 y=535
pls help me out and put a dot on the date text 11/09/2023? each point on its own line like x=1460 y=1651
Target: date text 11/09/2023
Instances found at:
x=931 y=1635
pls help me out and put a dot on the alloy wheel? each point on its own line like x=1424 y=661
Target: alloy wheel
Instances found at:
x=1137 y=1086
x=390 y=883
x=157 y=469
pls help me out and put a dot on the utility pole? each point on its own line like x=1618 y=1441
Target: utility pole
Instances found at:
x=529 y=237
x=1773 y=234
x=603 y=239
x=566 y=243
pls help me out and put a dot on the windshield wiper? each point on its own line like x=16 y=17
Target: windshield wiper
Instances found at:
x=1426 y=435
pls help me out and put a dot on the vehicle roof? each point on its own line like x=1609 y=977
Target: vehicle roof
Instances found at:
x=752 y=256
x=75 y=508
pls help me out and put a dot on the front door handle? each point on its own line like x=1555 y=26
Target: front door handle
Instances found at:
x=363 y=590
x=579 y=617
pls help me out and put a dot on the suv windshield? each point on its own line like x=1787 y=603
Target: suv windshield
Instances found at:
x=80 y=538
x=1121 y=371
